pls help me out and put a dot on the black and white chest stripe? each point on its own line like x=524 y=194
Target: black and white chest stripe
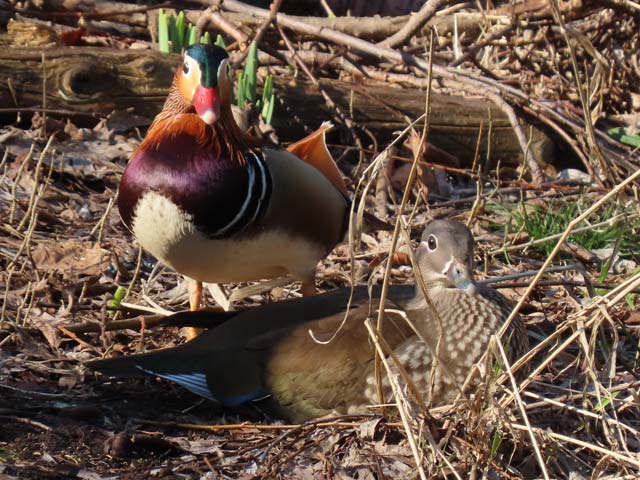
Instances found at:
x=259 y=185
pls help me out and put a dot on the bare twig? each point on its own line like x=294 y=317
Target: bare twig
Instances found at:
x=273 y=13
x=415 y=23
x=213 y=16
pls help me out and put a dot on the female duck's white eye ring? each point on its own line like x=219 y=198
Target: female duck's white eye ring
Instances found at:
x=432 y=243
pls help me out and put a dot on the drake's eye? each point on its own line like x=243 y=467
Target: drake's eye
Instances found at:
x=185 y=68
x=432 y=243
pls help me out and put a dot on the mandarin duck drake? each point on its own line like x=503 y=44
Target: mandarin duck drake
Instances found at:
x=267 y=353
x=218 y=205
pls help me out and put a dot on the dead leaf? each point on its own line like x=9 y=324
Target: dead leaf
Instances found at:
x=46 y=323
x=67 y=381
x=71 y=257
x=198 y=447
x=368 y=429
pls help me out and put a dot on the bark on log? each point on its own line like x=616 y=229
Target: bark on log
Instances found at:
x=101 y=80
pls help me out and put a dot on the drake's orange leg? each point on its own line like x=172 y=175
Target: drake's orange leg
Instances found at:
x=195 y=298
x=195 y=295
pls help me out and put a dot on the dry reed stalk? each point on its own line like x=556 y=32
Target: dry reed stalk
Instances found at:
x=16 y=181
x=521 y=407
x=596 y=448
x=396 y=229
x=402 y=402
x=37 y=192
x=606 y=167
x=578 y=410
x=99 y=227
x=155 y=309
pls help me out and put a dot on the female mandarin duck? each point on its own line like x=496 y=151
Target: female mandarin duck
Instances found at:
x=268 y=351
x=218 y=205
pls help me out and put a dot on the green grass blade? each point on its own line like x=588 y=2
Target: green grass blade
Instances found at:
x=630 y=298
x=206 y=38
x=163 y=32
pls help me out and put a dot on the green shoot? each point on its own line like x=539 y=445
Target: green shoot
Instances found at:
x=250 y=74
x=193 y=35
x=630 y=298
x=269 y=115
x=173 y=32
x=163 y=32
x=240 y=97
x=268 y=99
x=623 y=136
x=495 y=444
x=267 y=91
x=219 y=41
x=118 y=296
x=180 y=29
x=605 y=401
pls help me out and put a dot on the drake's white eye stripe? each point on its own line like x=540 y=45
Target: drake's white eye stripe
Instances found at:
x=194 y=382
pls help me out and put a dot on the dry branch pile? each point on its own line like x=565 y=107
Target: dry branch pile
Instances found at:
x=571 y=69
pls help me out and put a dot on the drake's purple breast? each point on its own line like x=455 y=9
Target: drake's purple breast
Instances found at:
x=201 y=181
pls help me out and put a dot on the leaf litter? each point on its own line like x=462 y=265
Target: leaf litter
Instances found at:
x=64 y=253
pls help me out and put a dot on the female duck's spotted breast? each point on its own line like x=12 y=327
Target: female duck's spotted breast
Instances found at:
x=219 y=196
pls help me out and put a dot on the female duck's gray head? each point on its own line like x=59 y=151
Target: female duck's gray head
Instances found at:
x=445 y=254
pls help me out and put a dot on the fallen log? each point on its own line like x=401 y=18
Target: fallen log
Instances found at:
x=101 y=80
